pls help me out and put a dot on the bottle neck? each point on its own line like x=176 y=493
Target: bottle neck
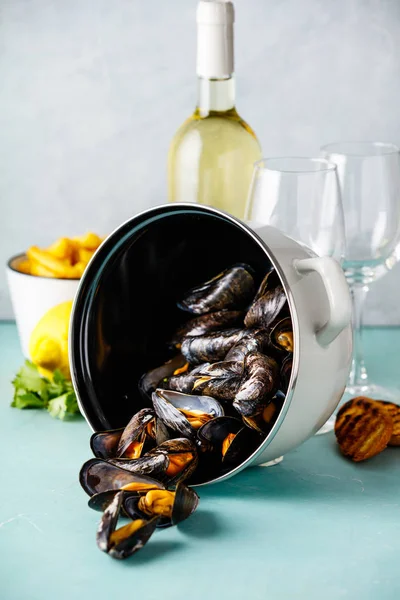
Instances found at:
x=215 y=95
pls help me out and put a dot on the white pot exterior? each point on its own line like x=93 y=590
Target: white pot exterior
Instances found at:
x=33 y=296
x=320 y=371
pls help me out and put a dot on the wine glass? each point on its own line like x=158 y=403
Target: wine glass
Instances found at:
x=301 y=197
x=369 y=177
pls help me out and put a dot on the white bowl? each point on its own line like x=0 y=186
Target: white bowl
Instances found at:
x=32 y=296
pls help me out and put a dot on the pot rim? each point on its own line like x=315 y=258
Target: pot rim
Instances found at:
x=168 y=209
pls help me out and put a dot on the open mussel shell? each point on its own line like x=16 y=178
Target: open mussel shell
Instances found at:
x=282 y=335
x=170 y=462
x=126 y=540
x=259 y=383
x=217 y=430
x=264 y=420
x=109 y=522
x=104 y=444
x=100 y=476
x=195 y=406
x=184 y=504
x=134 y=430
x=212 y=347
x=129 y=542
x=150 y=464
x=230 y=439
x=151 y=380
x=182 y=459
x=203 y=324
x=231 y=289
x=171 y=416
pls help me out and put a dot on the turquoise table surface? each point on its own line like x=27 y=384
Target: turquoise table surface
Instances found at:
x=315 y=526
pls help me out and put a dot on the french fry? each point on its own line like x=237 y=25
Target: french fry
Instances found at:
x=63 y=248
x=60 y=268
x=90 y=241
x=85 y=255
x=40 y=271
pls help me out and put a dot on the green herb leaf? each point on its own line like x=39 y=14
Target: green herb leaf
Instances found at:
x=31 y=390
x=27 y=400
x=29 y=379
x=63 y=406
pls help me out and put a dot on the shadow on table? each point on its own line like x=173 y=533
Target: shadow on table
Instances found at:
x=154 y=550
x=315 y=479
x=203 y=524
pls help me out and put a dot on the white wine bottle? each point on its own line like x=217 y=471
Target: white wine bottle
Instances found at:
x=212 y=154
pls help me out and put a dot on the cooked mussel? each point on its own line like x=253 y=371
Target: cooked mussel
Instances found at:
x=125 y=541
x=282 y=335
x=182 y=383
x=170 y=462
x=264 y=420
x=172 y=507
x=97 y=476
x=230 y=439
x=264 y=311
x=143 y=431
x=219 y=380
x=254 y=340
x=133 y=437
x=151 y=380
x=212 y=347
x=203 y=324
x=185 y=413
x=259 y=382
x=104 y=444
x=231 y=289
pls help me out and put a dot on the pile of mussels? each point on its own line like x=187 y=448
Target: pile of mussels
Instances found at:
x=213 y=404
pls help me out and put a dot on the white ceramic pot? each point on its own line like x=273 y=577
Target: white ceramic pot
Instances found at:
x=32 y=296
x=125 y=309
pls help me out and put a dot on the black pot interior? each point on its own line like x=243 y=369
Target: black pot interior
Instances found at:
x=126 y=310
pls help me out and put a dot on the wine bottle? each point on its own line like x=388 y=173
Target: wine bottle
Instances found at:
x=211 y=156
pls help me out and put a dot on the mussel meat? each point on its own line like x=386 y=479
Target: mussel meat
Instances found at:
x=259 y=383
x=282 y=335
x=219 y=320
x=125 y=541
x=231 y=289
x=172 y=507
x=212 y=347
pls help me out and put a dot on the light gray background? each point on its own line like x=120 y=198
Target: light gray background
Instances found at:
x=91 y=92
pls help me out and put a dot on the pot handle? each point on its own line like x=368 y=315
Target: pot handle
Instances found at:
x=337 y=292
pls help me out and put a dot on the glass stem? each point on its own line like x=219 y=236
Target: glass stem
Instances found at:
x=358 y=374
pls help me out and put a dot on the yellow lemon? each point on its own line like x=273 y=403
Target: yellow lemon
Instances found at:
x=48 y=345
